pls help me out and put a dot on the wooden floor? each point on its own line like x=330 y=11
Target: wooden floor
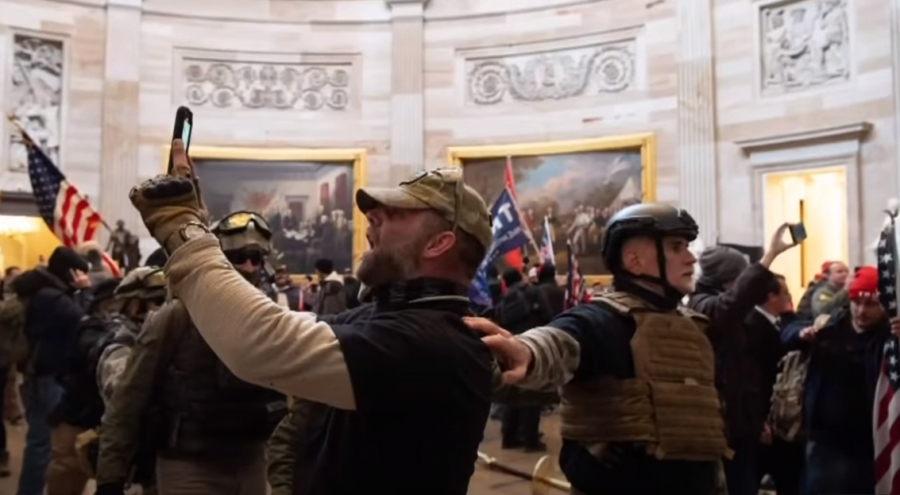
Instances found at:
x=484 y=481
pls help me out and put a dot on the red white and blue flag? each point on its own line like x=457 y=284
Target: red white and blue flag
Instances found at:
x=68 y=214
x=887 y=398
x=547 y=253
x=575 y=288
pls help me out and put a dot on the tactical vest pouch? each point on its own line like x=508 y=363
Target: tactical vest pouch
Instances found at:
x=609 y=410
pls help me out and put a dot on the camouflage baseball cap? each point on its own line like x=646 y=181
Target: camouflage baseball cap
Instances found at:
x=442 y=190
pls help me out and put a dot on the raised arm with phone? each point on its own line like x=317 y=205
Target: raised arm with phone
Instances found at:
x=184 y=125
x=363 y=365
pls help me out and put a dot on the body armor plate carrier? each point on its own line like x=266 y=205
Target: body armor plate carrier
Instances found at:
x=671 y=405
x=205 y=408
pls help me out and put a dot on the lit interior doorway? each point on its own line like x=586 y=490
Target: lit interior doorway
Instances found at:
x=24 y=240
x=818 y=198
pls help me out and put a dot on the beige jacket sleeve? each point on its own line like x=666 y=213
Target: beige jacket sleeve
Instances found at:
x=260 y=342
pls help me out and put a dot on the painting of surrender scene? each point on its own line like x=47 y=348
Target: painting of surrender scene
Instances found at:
x=577 y=192
x=309 y=205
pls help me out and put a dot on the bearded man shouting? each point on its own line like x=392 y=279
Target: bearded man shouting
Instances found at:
x=408 y=385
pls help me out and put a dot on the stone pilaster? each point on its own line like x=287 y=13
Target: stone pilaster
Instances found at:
x=697 y=116
x=121 y=123
x=407 y=87
x=895 y=58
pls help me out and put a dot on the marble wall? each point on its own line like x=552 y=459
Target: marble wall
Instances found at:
x=731 y=88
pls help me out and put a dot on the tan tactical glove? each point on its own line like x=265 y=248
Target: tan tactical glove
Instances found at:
x=168 y=202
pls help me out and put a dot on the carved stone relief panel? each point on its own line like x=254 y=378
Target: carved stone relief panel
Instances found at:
x=804 y=44
x=552 y=75
x=36 y=96
x=273 y=86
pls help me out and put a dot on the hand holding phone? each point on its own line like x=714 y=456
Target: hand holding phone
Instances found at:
x=798 y=232
x=184 y=124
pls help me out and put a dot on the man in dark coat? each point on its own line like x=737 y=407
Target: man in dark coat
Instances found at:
x=839 y=392
x=728 y=290
x=52 y=316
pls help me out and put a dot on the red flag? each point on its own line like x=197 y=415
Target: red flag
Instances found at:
x=510 y=181
x=514 y=257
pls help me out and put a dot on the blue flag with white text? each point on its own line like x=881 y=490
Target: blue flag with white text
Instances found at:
x=509 y=234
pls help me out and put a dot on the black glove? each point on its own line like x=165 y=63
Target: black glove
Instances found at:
x=110 y=489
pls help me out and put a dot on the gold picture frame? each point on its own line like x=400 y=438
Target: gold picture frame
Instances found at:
x=338 y=156
x=644 y=143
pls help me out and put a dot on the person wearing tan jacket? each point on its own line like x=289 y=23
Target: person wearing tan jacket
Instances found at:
x=428 y=237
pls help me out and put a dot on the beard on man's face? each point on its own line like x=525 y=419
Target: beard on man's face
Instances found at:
x=385 y=264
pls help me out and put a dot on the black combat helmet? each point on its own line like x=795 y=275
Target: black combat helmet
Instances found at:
x=656 y=220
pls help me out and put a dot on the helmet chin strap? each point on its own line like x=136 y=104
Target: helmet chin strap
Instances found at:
x=669 y=291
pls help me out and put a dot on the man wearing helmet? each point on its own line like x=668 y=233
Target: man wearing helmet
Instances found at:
x=640 y=410
x=142 y=291
x=209 y=427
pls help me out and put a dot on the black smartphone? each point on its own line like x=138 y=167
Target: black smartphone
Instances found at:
x=184 y=124
x=798 y=232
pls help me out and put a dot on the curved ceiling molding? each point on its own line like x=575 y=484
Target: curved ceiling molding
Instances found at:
x=349 y=16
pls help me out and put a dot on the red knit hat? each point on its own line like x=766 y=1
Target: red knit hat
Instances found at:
x=864 y=284
x=824 y=271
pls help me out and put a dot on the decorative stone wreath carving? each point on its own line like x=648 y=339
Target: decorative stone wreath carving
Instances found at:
x=557 y=75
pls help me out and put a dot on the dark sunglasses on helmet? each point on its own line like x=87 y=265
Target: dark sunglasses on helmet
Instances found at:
x=244 y=255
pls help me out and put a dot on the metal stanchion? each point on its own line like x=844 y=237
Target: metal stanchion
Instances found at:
x=541 y=482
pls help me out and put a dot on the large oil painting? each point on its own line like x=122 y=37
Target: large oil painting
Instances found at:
x=577 y=186
x=307 y=202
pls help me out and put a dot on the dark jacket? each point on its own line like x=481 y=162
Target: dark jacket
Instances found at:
x=764 y=349
x=841 y=378
x=727 y=311
x=81 y=403
x=292 y=293
x=52 y=318
x=332 y=297
x=530 y=306
x=352 y=286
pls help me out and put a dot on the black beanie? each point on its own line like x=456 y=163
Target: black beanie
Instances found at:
x=721 y=265
x=63 y=260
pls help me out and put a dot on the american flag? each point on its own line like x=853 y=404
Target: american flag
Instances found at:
x=547 y=244
x=574 y=280
x=887 y=398
x=66 y=211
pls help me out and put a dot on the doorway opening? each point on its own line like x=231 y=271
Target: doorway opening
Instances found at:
x=25 y=241
x=818 y=198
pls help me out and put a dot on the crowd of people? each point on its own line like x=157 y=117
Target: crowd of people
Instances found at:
x=201 y=374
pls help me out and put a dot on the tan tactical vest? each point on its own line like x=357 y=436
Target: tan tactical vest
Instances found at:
x=671 y=404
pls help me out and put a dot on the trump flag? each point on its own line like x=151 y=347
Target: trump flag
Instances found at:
x=509 y=234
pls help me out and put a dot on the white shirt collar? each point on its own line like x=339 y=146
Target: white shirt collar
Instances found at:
x=774 y=320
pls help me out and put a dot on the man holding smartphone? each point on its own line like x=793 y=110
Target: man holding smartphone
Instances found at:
x=404 y=378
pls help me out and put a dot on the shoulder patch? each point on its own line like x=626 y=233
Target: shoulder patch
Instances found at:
x=824 y=296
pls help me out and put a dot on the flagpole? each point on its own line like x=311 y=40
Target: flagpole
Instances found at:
x=30 y=143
